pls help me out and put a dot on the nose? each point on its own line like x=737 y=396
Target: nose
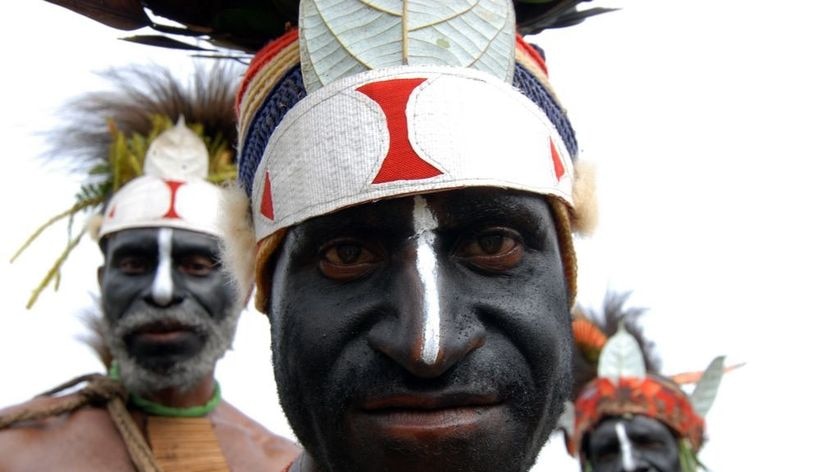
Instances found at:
x=163 y=291
x=432 y=331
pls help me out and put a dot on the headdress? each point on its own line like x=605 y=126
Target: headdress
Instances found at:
x=628 y=383
x=152 y=150
x=248 y=26
x=373 y=100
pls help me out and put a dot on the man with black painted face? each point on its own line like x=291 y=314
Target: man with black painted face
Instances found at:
x=169 y=311
x=631 y=443
x=627 y=416
x=412 y=214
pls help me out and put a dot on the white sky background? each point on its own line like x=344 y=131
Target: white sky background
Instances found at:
x=714 y=128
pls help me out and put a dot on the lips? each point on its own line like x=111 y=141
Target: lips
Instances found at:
x=163 y=331
x=429 y=416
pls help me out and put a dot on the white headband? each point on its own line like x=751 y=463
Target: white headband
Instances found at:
x=401 y=131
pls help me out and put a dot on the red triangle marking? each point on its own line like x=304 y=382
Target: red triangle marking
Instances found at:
x=559 y=170
x=112 y=212
x=401 y=162
x=267 y=203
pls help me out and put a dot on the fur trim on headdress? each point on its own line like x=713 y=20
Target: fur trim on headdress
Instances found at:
x=239 y=241
x=585 y=196
x=94 y=224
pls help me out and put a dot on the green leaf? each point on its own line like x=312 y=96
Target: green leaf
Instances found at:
x=344 y=38
x=621 y=357
x=707 y=387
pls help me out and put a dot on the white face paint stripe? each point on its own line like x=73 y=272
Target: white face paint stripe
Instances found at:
x=626 y=448
x=424 y=226
x=162 y=287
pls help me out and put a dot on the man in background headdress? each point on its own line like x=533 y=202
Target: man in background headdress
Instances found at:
x=157 y=149
x=627 y=416
x=407 y=174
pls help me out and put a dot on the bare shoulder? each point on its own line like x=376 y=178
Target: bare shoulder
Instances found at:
x=248 y=445
x=82 y=440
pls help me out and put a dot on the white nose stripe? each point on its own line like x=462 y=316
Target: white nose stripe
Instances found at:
x=162 y=287
x=626 y=447
x=424 y=226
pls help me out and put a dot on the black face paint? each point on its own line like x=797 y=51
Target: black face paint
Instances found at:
x=650 y=444
x=171 y=278
x=423 y=333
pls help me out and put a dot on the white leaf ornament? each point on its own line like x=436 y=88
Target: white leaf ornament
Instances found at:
x=621 y=357
x=707 y=387
x=342 y=37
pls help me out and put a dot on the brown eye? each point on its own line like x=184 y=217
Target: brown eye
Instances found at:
x=197 y=265
x=347 y=261
x=133 y=265
x=495 y=250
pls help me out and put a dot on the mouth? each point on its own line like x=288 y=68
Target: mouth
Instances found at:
x=429 y=416
x=164 y=331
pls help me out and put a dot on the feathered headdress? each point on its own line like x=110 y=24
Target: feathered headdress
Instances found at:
x=627 y=381
x=150 y=138
x=248 y=26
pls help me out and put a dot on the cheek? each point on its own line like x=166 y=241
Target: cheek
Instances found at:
x=119 y=292
x=214 y=293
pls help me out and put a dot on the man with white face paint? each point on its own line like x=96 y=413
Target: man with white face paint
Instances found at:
x=169 y=310
x=412 y=185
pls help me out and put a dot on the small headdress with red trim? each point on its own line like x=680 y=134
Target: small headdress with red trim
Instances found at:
x=625 y=386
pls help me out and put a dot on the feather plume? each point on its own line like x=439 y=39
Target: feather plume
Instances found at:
x=248 y=26
x=94 y=321
x=137 y=94
x=607 y=320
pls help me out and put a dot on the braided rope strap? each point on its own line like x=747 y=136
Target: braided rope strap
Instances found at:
x=98 y=390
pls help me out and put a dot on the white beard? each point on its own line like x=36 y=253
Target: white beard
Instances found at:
x=182 y=375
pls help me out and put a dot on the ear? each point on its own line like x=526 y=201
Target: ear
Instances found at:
x=100 y=271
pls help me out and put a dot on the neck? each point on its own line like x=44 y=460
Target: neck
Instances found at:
x=174 y=397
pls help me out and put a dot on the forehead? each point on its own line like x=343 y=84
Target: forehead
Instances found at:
x=451 y=209
x=638 y=424
x=138 y=239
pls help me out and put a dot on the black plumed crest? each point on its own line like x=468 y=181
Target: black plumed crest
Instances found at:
x=137 y=94
x=247 y=25
x=613 y=312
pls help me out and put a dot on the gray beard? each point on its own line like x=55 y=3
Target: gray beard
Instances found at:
x=182 y=375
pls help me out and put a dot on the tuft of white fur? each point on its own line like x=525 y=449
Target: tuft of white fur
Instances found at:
x=238 y=240
x=585 y=218
x=94 y=224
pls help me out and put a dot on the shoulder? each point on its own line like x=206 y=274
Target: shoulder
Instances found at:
x=59 y=441
x=250 y=444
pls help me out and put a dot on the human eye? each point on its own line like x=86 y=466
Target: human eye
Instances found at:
x=493 y=249
x=133 y=265
x=347 y=259
x=197 y=265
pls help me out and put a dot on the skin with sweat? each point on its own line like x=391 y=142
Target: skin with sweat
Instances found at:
x=170 y=315
x=632 y=444
x=423 y=333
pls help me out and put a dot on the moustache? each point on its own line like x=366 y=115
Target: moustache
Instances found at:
x=187 y=315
